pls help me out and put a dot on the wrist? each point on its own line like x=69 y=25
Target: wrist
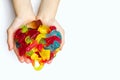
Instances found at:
x=26 y=17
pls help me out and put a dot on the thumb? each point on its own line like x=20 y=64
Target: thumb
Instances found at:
x=10 y=38
x=10 y=32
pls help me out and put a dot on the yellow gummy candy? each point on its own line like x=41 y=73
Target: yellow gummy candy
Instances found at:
x=37 y=65
x=43 y=29
x=45 y=54
x=40 y=36
x=34 y=56
x=35 y=50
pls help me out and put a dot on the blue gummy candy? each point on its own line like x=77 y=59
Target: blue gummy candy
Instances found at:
x=56 y=44
x=55 y=33
x=50 y=47
x=53 y=46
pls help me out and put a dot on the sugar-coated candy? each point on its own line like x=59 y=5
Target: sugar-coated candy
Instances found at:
x=38 y=42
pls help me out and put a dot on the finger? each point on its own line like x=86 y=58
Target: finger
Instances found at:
x=63 y=41
x=10 y=39
x=20 y=58
x=10 y=33
x=27 y=60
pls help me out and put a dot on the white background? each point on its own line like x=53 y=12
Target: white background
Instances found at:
x=91 y=50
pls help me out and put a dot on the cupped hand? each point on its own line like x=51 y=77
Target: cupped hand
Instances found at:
x=53 y=22
x=10 y=38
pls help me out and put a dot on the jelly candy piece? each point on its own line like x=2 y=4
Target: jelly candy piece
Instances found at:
x=52 y=28
x=56 y=44
x=51 y=39
x=50 y=47
x=57 y=39
x=22 y=48
x=42 y=41
x=29 y=53
x=38 y=38
x=44 y=61
x=28 y=40
x=17 y=44
x=38 y=55
x=34 y=44
x=53 y=46
x=43 y=29
x=35 y=49
x=24 y=29
x=33 y=33
x=34 y=56
x=43 y=35
x=21 y=51
x=21 y=37
x=55 y=33
x=34 y=24
x=39 y=47
x=45 y=54
x=37 y=65
x=51 y=56
x=17 y=33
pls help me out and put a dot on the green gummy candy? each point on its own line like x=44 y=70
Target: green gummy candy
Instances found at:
x=24 y=29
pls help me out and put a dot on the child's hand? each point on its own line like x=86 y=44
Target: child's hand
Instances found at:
x=11 y=30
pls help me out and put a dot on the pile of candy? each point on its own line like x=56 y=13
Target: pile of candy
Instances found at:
x=38 y=42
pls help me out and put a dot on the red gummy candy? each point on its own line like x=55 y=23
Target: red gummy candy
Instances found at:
x=33 y=33
x=51 y=39
x=22 y=49
x=39 y=47
x=17 y=33
x=21 y=37
x=34 y=44
x=52 y=28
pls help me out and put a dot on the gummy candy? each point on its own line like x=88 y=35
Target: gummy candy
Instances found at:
x=52 y=28
x=43 y=29
x=38 y=42
x=34 y=24
x=24 y=29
